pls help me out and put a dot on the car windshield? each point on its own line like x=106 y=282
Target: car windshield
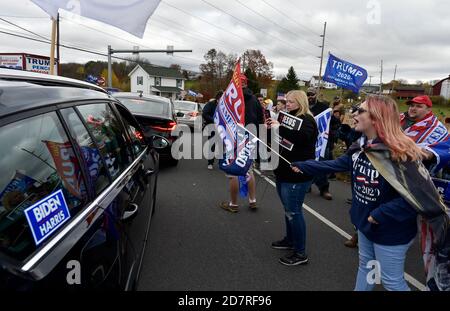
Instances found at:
x=188 y=106
x=146 y=107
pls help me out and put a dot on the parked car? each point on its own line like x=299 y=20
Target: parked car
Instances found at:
x=156 y=116
x=189 y=113
x=77 y=186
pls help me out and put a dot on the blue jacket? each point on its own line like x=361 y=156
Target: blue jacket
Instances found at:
x=372 y=196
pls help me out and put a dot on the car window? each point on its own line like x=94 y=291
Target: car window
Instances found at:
x=36 y=161
x=138 y=142
x=188 y=106
x=98 y=177
x=109 y=136
x=145 y=106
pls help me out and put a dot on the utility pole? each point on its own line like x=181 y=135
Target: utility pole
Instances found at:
x=381 y=78
x=58 y=55
x=393 y=81
x=370 y=80
x=321 y=56
x=111 y=51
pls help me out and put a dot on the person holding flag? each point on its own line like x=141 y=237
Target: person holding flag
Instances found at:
x=292 y=187
x=390 y=186
x=238 y=107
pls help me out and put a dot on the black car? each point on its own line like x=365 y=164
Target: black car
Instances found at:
x=157 y=117
x=77 y=186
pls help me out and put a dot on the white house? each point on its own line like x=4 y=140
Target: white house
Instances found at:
x=314 y=82
x=157 y=80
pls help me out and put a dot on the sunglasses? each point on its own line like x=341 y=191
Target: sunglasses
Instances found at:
x=358 y=109
x=311 y=94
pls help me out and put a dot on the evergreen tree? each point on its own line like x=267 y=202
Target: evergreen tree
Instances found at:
x=289 y=83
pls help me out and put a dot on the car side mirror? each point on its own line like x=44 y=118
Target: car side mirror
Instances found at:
x=159 y=142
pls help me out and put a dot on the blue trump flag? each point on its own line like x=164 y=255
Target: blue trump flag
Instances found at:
x=344 y=74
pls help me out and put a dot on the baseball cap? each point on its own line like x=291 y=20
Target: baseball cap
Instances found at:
x=244 y=78
x=425 y=100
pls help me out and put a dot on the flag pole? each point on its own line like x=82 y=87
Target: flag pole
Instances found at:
x=283 y=158
x=52 y=48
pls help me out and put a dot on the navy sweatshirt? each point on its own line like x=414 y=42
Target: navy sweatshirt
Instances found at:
x=372 y=196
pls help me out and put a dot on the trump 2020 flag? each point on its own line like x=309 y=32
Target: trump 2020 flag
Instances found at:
x=128 y=15
x=442 y=153
x=344 y=74
x=229 y=119
x=323 y=125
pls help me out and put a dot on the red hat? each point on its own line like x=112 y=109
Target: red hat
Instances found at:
x=425 y=100
x=244 y=78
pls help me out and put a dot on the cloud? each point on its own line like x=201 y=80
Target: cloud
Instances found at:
x=410 y=34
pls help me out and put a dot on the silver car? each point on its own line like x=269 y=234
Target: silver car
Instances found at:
x=189 y=113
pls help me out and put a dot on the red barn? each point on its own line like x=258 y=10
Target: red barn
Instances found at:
x=408 y=91
x=442 y=88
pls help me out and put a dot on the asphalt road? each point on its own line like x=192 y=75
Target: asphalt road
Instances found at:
x=195 y=245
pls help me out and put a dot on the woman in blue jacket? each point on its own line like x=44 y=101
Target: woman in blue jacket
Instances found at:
x=386 y=223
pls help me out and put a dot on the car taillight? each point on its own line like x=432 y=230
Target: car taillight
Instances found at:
x=193 y=114
x=168 y=127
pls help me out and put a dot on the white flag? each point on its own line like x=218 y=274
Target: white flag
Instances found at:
x=128 y=15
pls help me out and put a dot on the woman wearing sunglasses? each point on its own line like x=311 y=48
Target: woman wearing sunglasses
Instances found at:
x=386 y=223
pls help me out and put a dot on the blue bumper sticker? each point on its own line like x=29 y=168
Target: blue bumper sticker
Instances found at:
x=47 y=215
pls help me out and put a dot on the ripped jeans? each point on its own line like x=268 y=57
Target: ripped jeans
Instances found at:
x=292 y=196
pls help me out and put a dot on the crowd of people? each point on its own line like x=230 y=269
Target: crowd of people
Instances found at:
x=385 y=222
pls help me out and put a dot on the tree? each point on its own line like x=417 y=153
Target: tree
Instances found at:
x=175 y=66
x=258 y=64
x=289 y=83
x=252 y=81
x=216 y=72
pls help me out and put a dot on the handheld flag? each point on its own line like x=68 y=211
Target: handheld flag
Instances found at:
x=323 y=125
x=230 y=121
x=128 y=15
x=344 y=74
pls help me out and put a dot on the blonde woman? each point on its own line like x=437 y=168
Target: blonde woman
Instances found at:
x=292 y=187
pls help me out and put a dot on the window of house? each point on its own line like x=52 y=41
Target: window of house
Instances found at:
x=157 y=81
x=140 y=80
x=180 y=83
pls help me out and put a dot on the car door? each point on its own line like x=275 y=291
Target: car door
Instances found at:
x=144 y=182
x=124 y=167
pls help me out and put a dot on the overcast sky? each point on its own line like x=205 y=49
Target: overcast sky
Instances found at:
x=414 y=34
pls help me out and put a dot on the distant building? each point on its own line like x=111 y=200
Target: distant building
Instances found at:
x=408 y=91
x=27 y=62
x=156 y=80
x=314 y=82
x=370 y=89
x=442 y=88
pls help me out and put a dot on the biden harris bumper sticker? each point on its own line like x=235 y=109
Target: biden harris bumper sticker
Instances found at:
x=47 y=215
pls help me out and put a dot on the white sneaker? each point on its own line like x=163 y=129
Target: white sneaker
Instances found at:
x=210 y=167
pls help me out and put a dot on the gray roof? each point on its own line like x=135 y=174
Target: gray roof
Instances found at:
x=167 y=89
x=158 y=71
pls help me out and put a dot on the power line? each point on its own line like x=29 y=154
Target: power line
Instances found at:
x=207 y=22
x=20 y=27
x=26 y=17
x=68 y=47
x=272 y=22
x=250 y=25
x=218 y=27
x=291 y=19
